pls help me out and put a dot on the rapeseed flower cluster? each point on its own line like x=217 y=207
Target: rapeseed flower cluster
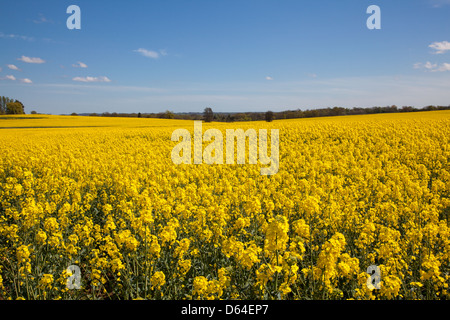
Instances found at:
x=103 y=194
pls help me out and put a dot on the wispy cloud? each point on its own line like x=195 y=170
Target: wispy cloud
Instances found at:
x=12 y=67
x=26 y=80
x=151 y=54
x=432 y=67
x=15 y=36
x=428 y=65
x=79 y=65
x=439 y=3
x=269 y=78
x=91 y=79
x=9 y=77
x=444 y=67
x=148 y=53
x=26 y=38
x=42 y=19
x=31 y=60
x=440 y=47
x=111 y=88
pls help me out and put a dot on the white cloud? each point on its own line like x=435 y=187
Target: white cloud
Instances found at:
x=269 y=78
x=91 y=79
x=15 y=36
x=31 y=60
x=9 y=77
x=444 y=67
x=42 y=19
x=26 y=80
x=440 y=47
x=149 y=53
x=428 y=65
x=79 y=65
x=432 y=67
x=12 y=67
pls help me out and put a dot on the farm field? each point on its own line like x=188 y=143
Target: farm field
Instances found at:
x=102 y=194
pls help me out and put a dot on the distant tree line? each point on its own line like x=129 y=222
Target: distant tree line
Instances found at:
x=10 y=106
x=208 y=115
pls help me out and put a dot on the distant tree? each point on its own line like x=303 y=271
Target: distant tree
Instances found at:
x=15 y=107
x=337 y=111
x=21 y=106
x=407 y=109
x=74 y=114
x=34 y=112
x=269 y=116
x=139 y=115
x=168 y=115
x=208 y=115
x=3 y=103
x=219 y=117
x=255 y=116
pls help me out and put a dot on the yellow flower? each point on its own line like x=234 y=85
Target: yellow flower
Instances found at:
x=263 y=275
x=301 y=228
x=249 y=256
x=73 y=238
x=18 y=190
x=117 y=265
x=158 y=280
x=200 y=285
x=284 y=289
x=416 y=284
x=276 y=234
x=182 y=248
x=23 y=253
x=154 y=247
x=55 y=240
x=390 y=286
x=241 y=223
x=168 y=235
x=71 y=250
x=430 y=268
x=184 y=266
x=328 y=257
x=347 y=265
x=126 y=239
x=51 y=225
x=46 y=281
x=223 y=277
x=41 y=236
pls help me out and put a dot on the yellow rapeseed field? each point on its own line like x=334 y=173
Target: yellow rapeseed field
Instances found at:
x=103 y=194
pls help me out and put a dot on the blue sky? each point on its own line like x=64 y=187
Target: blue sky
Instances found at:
x=230 y=55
